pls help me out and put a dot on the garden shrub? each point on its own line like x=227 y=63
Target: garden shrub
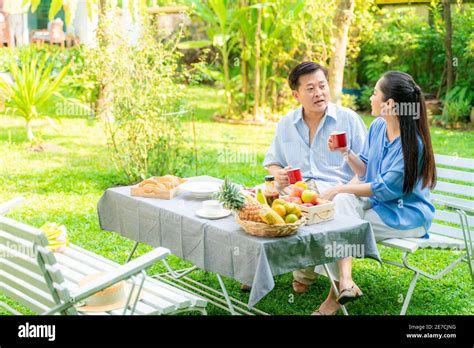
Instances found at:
x=140 y=98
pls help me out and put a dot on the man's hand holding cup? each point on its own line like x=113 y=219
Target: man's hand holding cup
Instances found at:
x=281 y=177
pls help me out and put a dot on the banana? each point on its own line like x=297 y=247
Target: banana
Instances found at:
x=270 y=216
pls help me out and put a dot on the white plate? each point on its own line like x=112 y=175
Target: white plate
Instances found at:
x=200 y=189
x=204 y=215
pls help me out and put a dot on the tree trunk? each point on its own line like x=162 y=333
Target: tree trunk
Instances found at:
x=342 y=22
x=429 y=61
x=245 y=79
x=103 y=96
x=225 y=62
x=29 y=130
x=243 y=61
x=256 y=113
x=442 y=83
x=447 y=45
x=263 y=89
x=274 y=89
x=102 y=11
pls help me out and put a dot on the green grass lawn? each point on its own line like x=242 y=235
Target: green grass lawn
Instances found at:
x=65 y=183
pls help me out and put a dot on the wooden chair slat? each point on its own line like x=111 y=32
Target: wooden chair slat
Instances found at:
x=453 y=161
x=454 y=218
x=455 y=202
x=458 y=175
x=457 y=189
x=28 y=290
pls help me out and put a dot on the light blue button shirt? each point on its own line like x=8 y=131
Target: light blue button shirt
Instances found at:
x=290 y=145
x=385 y=171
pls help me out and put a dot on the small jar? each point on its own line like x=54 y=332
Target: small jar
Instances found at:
x=271 y=192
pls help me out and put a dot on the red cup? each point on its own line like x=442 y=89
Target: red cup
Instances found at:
x=339 y=139
x=294 y=175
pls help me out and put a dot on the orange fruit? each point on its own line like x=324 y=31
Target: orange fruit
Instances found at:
x=280 y=209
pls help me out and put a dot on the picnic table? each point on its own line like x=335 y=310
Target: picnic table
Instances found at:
x=222 y=247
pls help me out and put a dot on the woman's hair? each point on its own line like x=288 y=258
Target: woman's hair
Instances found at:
x=410 y=109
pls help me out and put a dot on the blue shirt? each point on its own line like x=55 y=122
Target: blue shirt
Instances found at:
x=291 y=147
x=385 y=172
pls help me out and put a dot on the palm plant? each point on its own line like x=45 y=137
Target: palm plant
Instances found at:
x=222 y=21
x=33 y=88
x=266 y=45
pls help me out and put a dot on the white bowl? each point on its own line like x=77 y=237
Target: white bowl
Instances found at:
x=200 y=189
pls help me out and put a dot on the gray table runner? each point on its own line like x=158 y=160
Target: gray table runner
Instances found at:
x=221 y=246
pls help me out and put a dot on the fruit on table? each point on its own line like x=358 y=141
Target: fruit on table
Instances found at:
x=269 y=216
x=247 y=207
x=261 y=197
x=278 y=201
x=296 y=211
x=290 y=207
x=296 y=191
x=301 y=184
x=309 y=196
x=280 y=209
x=294 y=200
x=291 y=218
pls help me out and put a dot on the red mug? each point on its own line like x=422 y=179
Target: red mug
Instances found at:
x=294 y=175
x=339 y=139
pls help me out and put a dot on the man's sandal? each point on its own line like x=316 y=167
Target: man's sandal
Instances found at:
x=300 y=288
x=349 y=294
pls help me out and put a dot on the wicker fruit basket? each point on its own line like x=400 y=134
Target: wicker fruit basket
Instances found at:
x=262 y=229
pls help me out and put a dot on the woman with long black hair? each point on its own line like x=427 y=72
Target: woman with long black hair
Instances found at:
x=394 y=172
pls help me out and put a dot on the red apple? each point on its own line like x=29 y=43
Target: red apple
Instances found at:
x=296 y=191
x=309 y=196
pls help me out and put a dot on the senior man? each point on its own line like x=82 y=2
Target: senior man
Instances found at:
x=301 y=140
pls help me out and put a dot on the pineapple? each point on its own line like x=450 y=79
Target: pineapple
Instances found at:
x=247 y=207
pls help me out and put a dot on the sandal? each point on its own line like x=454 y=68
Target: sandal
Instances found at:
x=245 y=287
x=300 y=288
x=349 y=294
x=318 y=312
